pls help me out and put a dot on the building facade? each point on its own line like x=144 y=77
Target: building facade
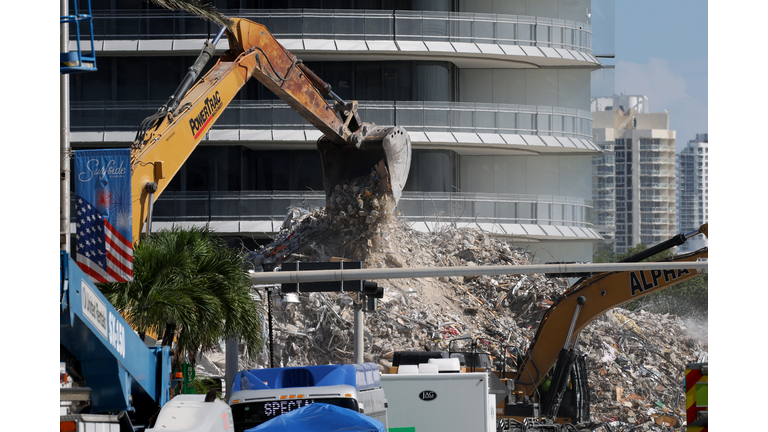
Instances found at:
x=494 y=94
x=641 y=208
x=692 y=190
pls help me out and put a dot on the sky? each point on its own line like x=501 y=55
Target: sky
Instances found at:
x=662 y=52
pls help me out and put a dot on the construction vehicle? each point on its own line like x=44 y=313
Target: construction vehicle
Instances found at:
x=552 y=357
x=120 y=382
x=110 y=380
x=696 y=397
x=259 y=395
x=349 y=148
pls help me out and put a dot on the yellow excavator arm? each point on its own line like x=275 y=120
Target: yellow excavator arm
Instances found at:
x=591 y=297
x=349 y=147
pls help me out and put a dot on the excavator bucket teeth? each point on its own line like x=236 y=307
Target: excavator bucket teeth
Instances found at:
x=367 y=148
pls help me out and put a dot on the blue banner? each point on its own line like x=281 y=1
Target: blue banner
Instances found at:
x=104 y=248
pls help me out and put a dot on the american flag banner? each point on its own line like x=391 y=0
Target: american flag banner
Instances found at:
x=104 y=248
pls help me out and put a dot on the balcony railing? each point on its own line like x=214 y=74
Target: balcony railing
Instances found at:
x=413 y=116
x=366 y=25
x=415 y=207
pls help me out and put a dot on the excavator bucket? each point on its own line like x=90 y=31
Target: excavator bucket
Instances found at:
x=367 y=148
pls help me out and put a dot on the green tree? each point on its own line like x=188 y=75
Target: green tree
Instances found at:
x=687 y=298
x=188 y=286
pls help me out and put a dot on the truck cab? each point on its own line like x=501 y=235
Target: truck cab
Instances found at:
x=259 y=395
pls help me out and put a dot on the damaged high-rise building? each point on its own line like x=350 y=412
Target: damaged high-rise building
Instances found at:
x=495 y=95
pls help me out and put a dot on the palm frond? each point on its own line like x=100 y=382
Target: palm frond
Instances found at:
x=188 y=281
x=201 y=8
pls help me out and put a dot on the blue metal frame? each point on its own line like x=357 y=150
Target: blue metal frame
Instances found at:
x=115 y=362
x=76 y=61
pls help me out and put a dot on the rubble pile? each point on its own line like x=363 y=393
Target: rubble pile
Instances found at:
x=636 y=360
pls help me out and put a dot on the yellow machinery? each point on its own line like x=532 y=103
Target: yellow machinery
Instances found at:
x=549 y=387
x=348 y=148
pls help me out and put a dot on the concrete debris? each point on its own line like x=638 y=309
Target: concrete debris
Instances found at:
x=636 y=360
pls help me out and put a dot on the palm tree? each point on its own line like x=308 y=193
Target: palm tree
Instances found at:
x=201 y=8
x=188 y=286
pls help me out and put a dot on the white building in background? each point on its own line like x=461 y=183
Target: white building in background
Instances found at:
x=692 y=190
x=495 y=96
x=640 y=156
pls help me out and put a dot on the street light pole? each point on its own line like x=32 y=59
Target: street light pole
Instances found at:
x=269 y=311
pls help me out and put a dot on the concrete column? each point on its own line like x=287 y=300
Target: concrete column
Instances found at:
x=231 y=364
x=359 y=333
x=64 y=135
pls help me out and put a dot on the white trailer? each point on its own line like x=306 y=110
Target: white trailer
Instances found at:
x=439 y=402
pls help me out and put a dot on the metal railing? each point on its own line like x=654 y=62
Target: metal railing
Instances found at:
x=413 y=116
x=366 y=25
x=438 y=207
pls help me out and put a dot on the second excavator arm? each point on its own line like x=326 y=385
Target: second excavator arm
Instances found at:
x=587 y=300
x=348 y=148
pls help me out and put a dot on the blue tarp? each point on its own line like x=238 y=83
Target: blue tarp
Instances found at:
x=320 y=417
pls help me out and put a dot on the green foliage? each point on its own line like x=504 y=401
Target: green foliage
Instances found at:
x=189 y=286
x=606 y=254
x=204 y=385
x=689 y=298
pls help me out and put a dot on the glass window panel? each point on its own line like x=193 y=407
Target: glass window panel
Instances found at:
x=272 y=171
x=321 y=26
x=525 y=122
x=506 y=210
x=434 y=171
x=485 y=119
x=407 y=116
x=436 y=29
x=160 y=26
x=543 y=212
x=525 y=211
x=368 y=85
x=379 y=26
x=505 y=32
x=462 y=118
x=164 y=76
x=482 y=31
x=286 y=116
x=127 y=27
x=306 y=171
x=93 y=86
x=543 y=35
x=339 y=76
x=409 y=27
x=437 y=117
x=462 y=30
x=508 y=121
x=557 y=123
x=131 y=78
x=286 y=26
x=524 y=34
x=434 y=81
x=199 y=170
x=397 y=81
x=346 y=27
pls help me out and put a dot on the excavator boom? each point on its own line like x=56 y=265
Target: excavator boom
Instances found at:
x=348 y=147
x=584 y=302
